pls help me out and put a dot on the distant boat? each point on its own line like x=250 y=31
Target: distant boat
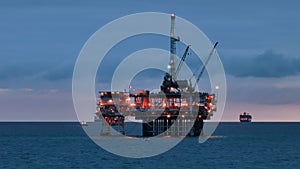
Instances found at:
x=83 y=123
x=245 y=117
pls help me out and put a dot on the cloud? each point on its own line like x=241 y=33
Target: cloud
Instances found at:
x=50 y=72
x=25 y=90
x=7 y=90
x=267 y=65
x=29 y=90
x=263 y=91
x=4 y=90
x=14 y=71
x=58 y=74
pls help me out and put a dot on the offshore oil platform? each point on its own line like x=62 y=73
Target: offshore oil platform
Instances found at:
x=176 y=110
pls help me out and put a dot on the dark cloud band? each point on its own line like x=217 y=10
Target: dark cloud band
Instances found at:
x=267 y=65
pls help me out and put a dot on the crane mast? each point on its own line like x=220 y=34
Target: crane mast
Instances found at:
x=181 y=62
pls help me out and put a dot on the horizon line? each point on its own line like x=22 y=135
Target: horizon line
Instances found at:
x=223 y=121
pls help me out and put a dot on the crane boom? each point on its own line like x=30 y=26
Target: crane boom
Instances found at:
x=181 y=62
x=204 y=65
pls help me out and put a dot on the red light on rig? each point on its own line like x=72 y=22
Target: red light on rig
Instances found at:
x=168 y=116
x=210 y=97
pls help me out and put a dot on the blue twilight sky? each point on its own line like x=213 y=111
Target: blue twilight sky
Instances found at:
x=40 y=41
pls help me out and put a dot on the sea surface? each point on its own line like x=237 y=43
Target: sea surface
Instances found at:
x=236 y=145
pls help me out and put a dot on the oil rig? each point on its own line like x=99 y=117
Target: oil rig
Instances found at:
x=176 y=110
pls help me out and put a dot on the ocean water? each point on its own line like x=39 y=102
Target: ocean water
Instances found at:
x=65 y=145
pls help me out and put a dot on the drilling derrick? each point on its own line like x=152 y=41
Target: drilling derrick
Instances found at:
x=173 y=40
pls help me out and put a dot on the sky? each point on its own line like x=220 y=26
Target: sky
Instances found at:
x=41 y=40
